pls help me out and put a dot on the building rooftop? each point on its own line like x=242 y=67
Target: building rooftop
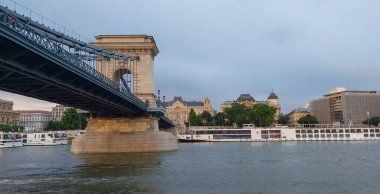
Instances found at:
x=187 y=103
x=299 y=110
x=33 y=112
x=272 y=96
x=245 y=97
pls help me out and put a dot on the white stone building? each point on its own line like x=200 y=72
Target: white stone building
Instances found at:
x=34 y=120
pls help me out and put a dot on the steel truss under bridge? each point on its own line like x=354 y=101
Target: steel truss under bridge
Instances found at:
x=40 y=62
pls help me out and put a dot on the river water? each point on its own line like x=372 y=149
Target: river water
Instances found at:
x=277 y=167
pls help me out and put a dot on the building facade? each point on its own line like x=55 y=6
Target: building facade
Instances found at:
x=346 y=107
x=297 y=114
x=57 y=112
x=7 y=115
x=178 y=110
x=249 y=101
x=34 y=120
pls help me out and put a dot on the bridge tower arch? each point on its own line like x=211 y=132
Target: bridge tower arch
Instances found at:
x=141 y=70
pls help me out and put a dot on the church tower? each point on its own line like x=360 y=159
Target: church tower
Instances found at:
x=273 y=101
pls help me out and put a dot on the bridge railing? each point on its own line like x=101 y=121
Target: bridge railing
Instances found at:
x=58 y=44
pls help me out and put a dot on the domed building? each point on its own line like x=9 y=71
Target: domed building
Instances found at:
x=249 y=101
x=246 y=99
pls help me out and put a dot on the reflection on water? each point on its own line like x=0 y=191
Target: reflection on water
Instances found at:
x=250 y=167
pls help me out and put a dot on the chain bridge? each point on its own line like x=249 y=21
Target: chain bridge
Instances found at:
x=111 y=78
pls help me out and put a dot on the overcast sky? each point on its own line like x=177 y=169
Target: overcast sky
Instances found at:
x=221 y=48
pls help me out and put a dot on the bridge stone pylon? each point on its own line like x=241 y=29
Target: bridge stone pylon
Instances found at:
x=136 y=134
x=142 y=84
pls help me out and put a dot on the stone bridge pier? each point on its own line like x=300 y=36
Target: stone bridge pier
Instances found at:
x=118 y=135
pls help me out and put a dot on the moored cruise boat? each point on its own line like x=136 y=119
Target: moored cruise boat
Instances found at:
x=300 y=133
x=10 y=140
x=44 y=138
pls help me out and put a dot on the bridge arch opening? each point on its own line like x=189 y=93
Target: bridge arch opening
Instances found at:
x=125 y=78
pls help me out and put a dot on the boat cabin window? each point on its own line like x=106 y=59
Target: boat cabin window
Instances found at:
x=365 y=130
x=372 y=130
x=377 y=130
x=316 y=131
x=248 y=126
x=346 y=130
x=322 y=131
x=43 y=135
x=340 y=130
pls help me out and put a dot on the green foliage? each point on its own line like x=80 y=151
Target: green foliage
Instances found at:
x=54 y=126
x=372 y=121
x=219 y=118
x=9 y=128
x=194 y=120
x=73 y=120
x=206 y=118
x=238 y=115
x=308 y=119
x=261 y=115
x=283 y=119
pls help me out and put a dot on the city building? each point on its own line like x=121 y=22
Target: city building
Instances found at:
x=178 y=110
x=7 y=115
x=297 y=114
x=57 y=112
x=346 y=106
x=34 y=120
x=249 y=101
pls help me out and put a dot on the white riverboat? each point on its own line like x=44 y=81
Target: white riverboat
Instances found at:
x=10 y=140
x=44 y=138
x=300 y=133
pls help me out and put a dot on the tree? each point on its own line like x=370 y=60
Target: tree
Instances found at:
x=194 y=120
x=54 y=126
x=262 y=115
x=206 y=118
x=218 y=119
x=283 y=119
x=372 y=121
x=9 y=128
x=237 y=114
x=72 y=120
x=308 y=119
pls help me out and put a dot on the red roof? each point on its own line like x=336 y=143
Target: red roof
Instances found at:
x=33 y=112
